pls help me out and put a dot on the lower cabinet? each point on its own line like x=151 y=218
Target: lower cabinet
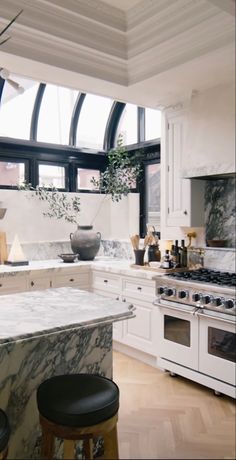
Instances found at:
x=11 y=284
x=73 y=278
x=139 y=332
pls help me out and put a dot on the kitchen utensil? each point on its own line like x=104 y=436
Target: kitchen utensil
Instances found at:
x=135 y=241
x=69 y=258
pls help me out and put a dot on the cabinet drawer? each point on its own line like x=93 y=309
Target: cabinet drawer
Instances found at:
x=139 y=289
x=10 y=285
x=71 y=279
x=38 y=283
x=110 y=295
x=106 y=282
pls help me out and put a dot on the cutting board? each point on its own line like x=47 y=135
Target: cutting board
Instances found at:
x=3 y=247
x=160 y=270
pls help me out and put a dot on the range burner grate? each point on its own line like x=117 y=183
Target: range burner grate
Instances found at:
x=205 y=275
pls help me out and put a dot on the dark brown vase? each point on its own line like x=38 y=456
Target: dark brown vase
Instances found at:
x=85 y=242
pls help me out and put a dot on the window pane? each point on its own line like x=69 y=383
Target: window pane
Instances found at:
x=52 y=176
x=152 y=179
x=16 y=109
x=128 y=125
x=152 y=124
x=177 y=330
x=84 y=177
x=11 y=173
x=92 y=121
x=55 y=114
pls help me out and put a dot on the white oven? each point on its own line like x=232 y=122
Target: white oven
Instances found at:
x=217 y=345
x=177 y=333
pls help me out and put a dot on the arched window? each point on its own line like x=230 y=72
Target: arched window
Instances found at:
x=92 y=122
x=55 y=114
x=128 y=125
x=16 y=109
x=152 y=124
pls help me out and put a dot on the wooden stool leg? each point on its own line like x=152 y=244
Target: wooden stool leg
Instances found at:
x=47 y=445
x=69 y=449
x=111 y=445
x=88 y=449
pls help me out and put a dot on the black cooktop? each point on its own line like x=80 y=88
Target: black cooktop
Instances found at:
x=206 y=275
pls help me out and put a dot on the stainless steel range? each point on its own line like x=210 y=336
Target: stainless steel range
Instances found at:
x=197 y=327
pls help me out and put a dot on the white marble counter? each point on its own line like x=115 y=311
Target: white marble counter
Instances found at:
x=122 y=267
x=31 y=314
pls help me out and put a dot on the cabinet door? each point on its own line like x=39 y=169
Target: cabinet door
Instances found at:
x=13 y=284
x=141 y=332
x=118 y=326
x=185 y=197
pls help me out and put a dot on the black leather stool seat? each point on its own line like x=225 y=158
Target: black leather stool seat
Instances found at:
x=4 y=431
x=78 y=400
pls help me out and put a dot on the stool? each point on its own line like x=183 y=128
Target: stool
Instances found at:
x=78 y=407
x=4 y=434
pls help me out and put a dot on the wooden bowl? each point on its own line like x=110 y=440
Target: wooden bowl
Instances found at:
x=216 y=243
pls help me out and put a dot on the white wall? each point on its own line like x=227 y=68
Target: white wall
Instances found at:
x=24 y=217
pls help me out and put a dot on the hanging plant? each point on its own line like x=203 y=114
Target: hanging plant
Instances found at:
x=121 y=174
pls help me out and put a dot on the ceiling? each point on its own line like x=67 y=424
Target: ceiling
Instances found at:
x=151 y=52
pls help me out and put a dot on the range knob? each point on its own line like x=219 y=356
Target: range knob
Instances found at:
x=160 y=290
x=206 y=299
x=182 y=294
x=229 y=303
x=196 y=296
x=168 y=291
x=216 y=301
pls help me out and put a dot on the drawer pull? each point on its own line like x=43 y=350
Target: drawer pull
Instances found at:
x=117 y=298
x=32 y=283
x=72 y=279
x=0 y=285
x=124 y=300
x=105 y=281
x=139 y=288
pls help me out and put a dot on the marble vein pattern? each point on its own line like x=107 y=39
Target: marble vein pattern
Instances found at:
x=24 y=364
x=28 y=314
x=220 y=209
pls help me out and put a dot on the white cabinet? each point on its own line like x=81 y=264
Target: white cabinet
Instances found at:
x=182 y=199
x=140 y=332
x=11 y=284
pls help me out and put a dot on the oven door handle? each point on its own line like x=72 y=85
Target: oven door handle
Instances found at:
x=182 y=310
x=217 y=318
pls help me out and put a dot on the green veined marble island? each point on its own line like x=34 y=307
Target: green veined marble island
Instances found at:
x=46 y=333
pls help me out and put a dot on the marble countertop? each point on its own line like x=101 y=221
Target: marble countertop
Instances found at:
x=119 y=266
x=32 y=314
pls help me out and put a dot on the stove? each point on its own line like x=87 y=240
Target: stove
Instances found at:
x=204 y=288
x=196 y=320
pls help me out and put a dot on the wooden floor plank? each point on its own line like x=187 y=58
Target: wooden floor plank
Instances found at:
x=161 y=417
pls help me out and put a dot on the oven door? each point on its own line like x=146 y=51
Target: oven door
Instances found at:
x=178 y=333
x=217 y=347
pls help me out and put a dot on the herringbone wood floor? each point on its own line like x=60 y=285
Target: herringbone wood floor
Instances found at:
x=163 y=417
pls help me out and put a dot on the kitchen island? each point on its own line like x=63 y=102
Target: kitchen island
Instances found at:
x=46 y=333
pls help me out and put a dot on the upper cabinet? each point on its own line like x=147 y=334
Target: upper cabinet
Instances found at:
x=182 y=199
x=210 y=133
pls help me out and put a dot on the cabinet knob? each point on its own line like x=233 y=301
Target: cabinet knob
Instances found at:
x=72 y=279
x=124 y=300
x=32 y=283
x=139 y=288
x=117 y=298
x=0 y=285
x=185 y=212
x=105 y=281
